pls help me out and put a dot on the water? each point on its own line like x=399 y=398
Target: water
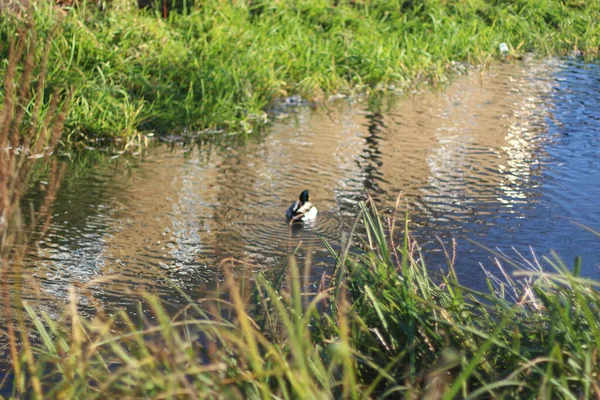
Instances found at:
x=508 y=158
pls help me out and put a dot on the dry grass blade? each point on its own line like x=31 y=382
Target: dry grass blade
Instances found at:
x=18 y=133
x=19 y=129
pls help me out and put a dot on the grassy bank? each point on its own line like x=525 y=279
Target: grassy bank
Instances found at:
x=382 y=328
x=218 y=64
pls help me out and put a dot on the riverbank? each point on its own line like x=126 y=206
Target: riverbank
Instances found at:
x=380 y=327
x=216 y=66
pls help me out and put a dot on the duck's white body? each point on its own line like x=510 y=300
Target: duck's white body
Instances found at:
x=301 y=212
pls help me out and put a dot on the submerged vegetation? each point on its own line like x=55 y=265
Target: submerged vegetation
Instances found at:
x=216 y=65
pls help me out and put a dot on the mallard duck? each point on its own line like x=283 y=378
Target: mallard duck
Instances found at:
x=301 y=210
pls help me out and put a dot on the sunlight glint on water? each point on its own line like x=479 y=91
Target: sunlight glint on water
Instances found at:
x=505 y=158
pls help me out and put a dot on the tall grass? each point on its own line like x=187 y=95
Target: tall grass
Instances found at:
x=31 y=124
x=382 y=328
x=218 y=64
x=31 y=120
x=438 y=339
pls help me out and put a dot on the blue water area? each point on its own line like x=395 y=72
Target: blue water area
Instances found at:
x=544 y=209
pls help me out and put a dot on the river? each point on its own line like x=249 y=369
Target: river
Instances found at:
x=508 y=158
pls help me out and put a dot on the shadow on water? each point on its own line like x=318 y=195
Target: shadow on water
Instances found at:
x=506 y=160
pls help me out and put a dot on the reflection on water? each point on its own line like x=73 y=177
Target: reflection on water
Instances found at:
x=505 y=158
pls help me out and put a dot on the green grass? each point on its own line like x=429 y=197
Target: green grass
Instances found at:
x=219 y=64
x=382 y=328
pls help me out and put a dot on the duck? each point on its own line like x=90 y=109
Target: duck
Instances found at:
x=302 y=210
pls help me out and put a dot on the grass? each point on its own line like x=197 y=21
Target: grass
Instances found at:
x=31 y=120
x=217 y=65
x=381 y=328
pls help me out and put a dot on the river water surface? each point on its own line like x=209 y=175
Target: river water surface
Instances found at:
x=507 y=158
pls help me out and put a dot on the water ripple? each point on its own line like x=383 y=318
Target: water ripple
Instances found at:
x=505 y=158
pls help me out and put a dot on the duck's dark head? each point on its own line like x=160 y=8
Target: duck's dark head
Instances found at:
x=304 y=197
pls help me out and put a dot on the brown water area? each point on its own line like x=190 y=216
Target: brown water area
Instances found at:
x=506 y=157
